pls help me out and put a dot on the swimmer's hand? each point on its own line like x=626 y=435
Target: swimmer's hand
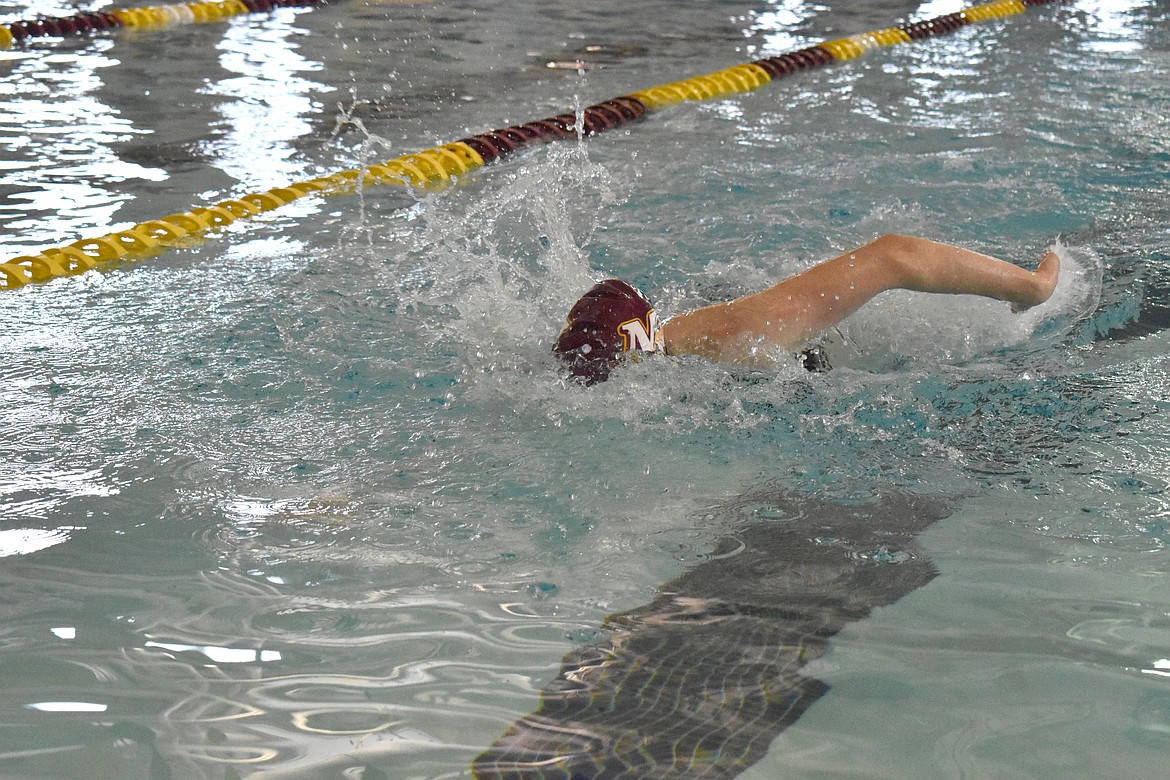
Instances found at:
x=1044 y=280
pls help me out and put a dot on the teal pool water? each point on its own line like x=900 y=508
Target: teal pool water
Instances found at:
x=310 y=499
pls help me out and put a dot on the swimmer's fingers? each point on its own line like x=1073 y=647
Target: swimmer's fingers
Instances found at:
x=1044 y=280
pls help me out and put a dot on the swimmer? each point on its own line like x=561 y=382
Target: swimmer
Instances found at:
x=613 y=318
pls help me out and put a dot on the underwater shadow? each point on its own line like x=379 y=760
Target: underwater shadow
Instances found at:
x=697 y=683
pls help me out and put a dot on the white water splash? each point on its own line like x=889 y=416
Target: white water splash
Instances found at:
x=503 y=266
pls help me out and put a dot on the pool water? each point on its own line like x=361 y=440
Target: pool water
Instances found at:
x=312 y=499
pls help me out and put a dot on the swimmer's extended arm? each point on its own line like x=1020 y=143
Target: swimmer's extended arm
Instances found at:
x=789 y=314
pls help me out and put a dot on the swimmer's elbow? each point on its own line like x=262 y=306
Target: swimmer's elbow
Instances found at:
x=896 y=245
x=901 y=258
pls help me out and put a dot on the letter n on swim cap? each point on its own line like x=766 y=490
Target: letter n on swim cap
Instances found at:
x=608 y=320
x=643 y=335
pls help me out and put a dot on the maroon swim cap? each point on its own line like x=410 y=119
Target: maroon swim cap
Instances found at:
x=609 y=320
